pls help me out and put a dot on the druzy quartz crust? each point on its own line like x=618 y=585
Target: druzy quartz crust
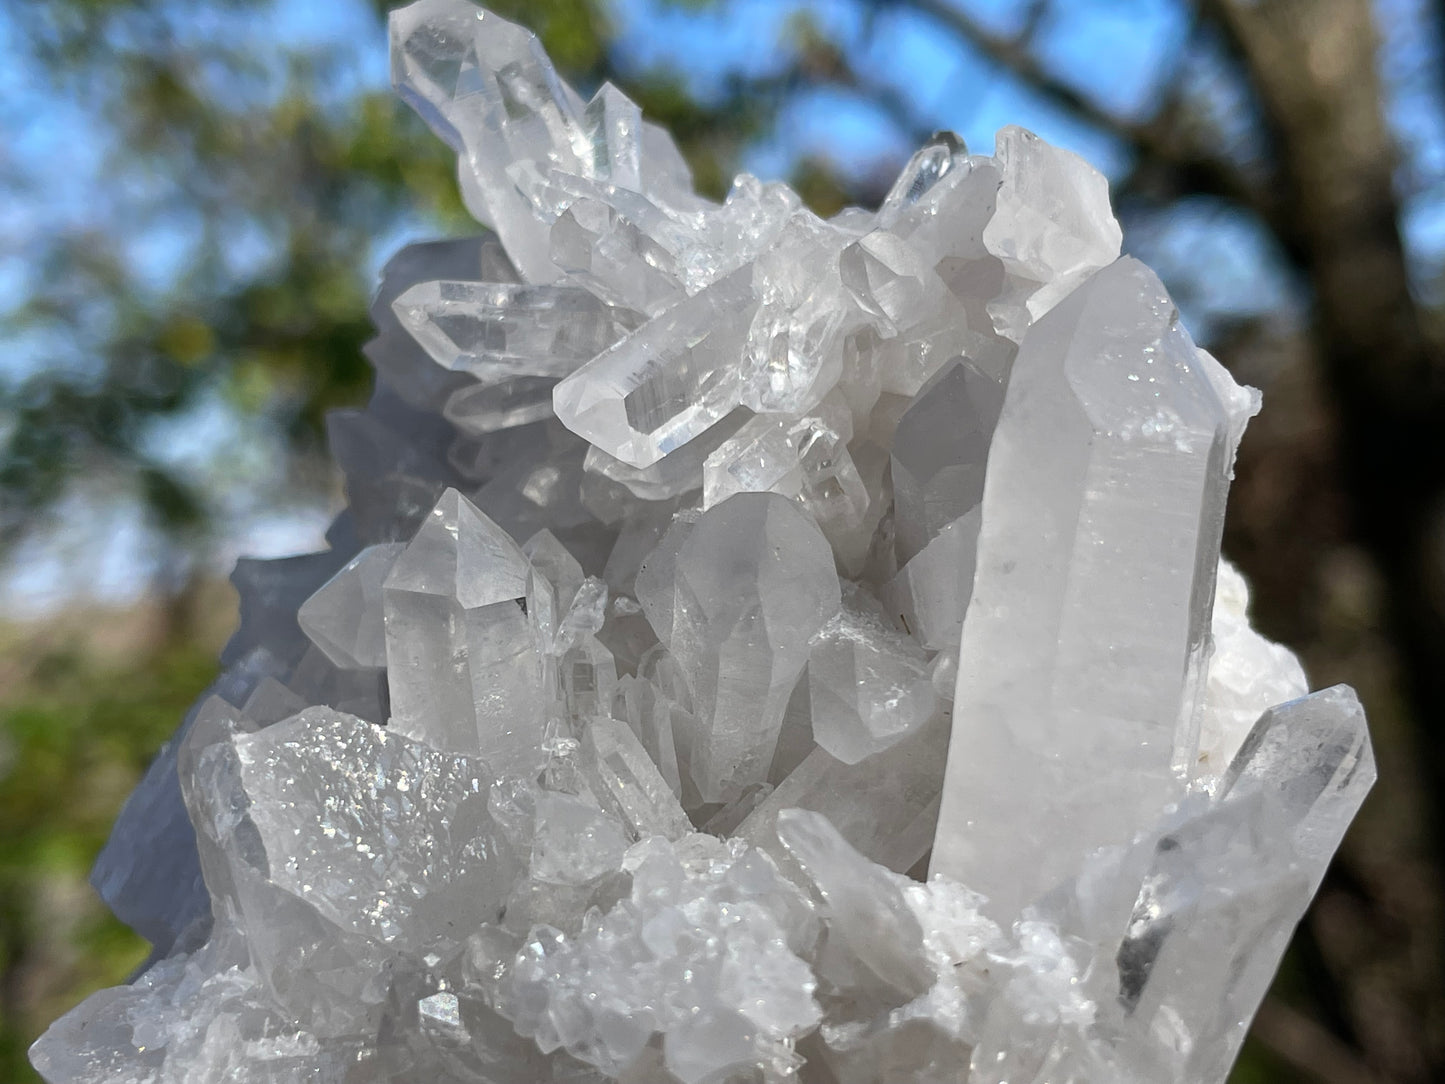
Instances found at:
x=757 y=648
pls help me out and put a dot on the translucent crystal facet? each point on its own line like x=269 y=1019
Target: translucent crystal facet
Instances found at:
x=748 y=588
x=868 y=684
x=666 y=383
x=463 y=673
x=1081 y=661
x=498 y=331
x=345 y=617
x=711 y=575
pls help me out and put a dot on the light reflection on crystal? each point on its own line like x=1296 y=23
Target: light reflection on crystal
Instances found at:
x=710 y=574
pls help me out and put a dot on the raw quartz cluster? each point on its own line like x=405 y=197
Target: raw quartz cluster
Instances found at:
x=758 y=647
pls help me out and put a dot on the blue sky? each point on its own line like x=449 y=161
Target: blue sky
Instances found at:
x=1119 y=51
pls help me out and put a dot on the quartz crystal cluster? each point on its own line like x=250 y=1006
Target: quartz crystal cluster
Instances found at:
x=758 y=647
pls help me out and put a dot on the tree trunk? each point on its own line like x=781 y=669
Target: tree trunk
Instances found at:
x=1315 y=70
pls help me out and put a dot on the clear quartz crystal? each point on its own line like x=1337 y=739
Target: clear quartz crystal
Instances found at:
x=710 y=574
x=461 y=666
x=868 y=684
x=1052 y=228
x=344 y=618
x=496 y=331
x=749 y=587
x=1080 y=668
x=667 y=382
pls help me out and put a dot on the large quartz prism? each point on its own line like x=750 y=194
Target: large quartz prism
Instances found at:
x=1086 y=634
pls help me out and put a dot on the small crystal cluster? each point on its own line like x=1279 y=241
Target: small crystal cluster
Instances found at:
x=758 y=647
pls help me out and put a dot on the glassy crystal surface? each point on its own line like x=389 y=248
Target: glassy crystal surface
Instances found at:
x=940 y=449
x=1081 y=661
x=344 y=618
x=461 y=666
x=666 y=383
x=868 y=684
x=712 y=574
x=496 y=331
x=749 y=586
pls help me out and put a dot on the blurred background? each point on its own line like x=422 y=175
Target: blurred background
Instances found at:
x=195 y=198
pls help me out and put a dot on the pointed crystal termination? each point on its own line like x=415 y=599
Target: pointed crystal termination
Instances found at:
x=497 y=331
x=1052 y=227
x=480 y=409
x=939 y=452
x=673 y=475
x=929 y=165
x=1225 y=888
x=1314 y=755
x=343 y=844
x=612 y=125
x=625 y=774
x=395 y=354
x=1083 y=643
x=1220 y=897
x=463 y=672
x=752 y=583
x=485 y=86
x=868 y=685
x=344 y=618
x=667 y=382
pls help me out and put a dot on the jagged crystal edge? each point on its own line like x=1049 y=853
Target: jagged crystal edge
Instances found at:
x=711 y=574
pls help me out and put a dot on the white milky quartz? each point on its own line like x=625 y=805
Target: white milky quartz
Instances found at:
x=756 y=649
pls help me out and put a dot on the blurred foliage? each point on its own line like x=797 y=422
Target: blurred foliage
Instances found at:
x=217 y=143
x=220 y=141
x=76 y=732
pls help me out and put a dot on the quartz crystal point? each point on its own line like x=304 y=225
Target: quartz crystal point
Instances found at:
x=1051 y=229
x=497 y=331
x=460 y=662
x=1313 y=755
x=747 y=589
x=1083 y=648
x=344 y=618
x=710 y=573
x=666 y=383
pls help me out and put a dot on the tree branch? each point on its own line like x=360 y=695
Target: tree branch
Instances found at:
x=1304 y=1044
x=1158 y=142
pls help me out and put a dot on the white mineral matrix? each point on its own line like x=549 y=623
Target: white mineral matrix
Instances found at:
x=758 y=648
